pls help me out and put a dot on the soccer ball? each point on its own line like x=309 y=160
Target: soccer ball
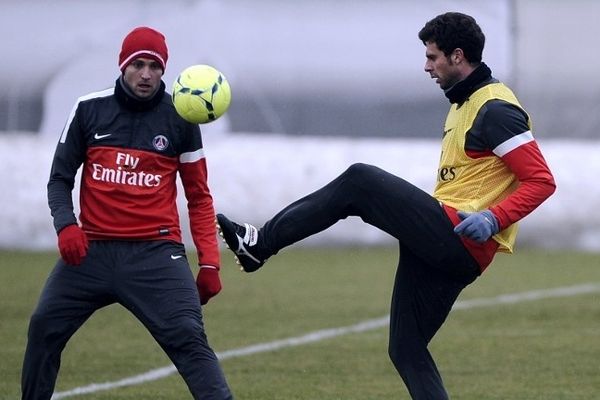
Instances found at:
x=201 y=94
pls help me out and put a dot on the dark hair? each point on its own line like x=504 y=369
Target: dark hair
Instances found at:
x=454 y=30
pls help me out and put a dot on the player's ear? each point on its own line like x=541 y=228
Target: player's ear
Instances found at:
x=457 y=55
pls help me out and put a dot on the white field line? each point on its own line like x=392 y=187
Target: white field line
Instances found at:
x=324 y=334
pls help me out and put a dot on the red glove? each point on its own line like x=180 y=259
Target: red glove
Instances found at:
x=208 y=283
x=72 y=244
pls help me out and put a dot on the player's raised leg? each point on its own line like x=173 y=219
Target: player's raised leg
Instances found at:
x=379 y=198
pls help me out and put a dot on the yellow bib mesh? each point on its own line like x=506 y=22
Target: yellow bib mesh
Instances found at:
x=474 y=184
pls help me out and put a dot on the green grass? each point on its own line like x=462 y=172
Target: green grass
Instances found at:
x=546 y=349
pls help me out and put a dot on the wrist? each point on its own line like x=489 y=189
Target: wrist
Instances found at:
x=69 y=226
x=492 y=220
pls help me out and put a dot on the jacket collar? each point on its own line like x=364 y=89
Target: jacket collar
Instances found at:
x=460 y=92
x=130 y=101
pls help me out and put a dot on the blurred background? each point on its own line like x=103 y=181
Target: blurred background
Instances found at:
x=315 y=67
x=317 y=85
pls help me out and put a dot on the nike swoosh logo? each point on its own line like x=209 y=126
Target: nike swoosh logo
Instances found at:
x=175 y=257
x=97 y=136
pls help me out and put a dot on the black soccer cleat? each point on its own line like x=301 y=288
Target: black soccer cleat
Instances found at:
x=243 y=241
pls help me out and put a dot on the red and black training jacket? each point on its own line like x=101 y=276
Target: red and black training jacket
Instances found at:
x=131 y=152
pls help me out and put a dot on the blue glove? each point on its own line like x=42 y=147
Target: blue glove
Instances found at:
x=478 y=226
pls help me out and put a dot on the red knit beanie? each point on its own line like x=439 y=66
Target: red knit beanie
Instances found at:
x=143 y=42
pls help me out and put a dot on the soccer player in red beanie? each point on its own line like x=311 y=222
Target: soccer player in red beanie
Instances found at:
x=126 y=246
x=491 y=175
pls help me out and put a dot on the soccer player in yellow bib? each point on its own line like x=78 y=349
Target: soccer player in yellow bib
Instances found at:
x=491 y=175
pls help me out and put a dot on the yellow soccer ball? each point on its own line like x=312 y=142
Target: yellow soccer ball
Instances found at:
x=201 y=94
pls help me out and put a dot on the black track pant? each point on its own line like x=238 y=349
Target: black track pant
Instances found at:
x=434 y=265
x=143 y=277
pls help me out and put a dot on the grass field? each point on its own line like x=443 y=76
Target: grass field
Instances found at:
x=543 y=349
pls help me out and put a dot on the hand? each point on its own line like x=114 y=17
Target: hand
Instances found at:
x=478 y=226
x=208 y=283
x=72 y=244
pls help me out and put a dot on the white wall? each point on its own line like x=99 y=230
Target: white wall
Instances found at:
x=277 y=170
